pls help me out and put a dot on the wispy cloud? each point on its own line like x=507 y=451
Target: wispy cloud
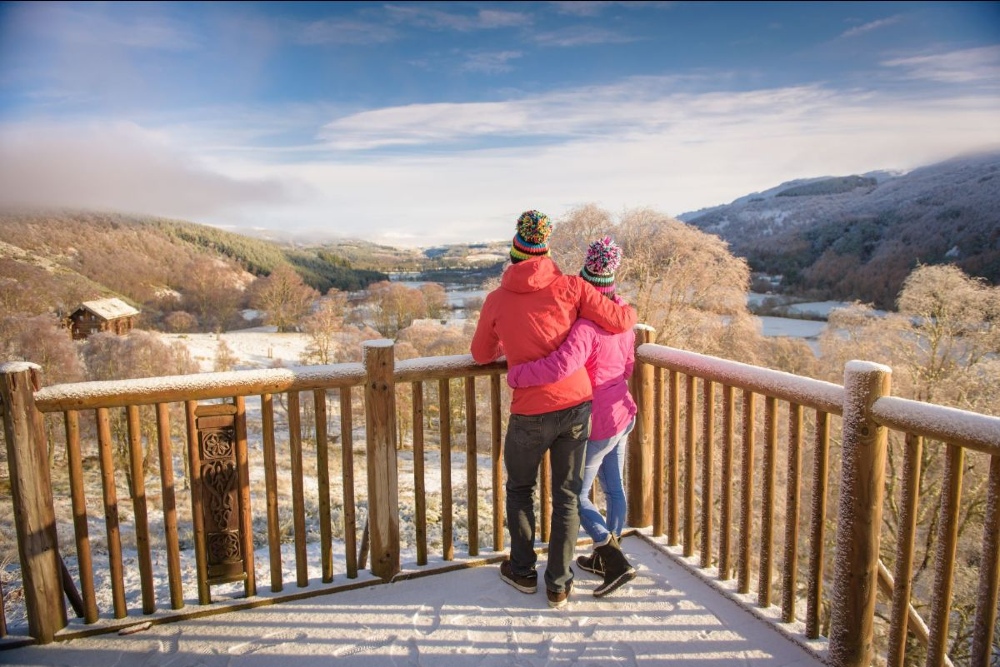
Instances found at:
x=586 y=8
x=343 y=31
x=490 y=63
x=582 y=36
x=482 y=19
x=965 y=66
x=70 y=25
x=640 y=104
x=872 y=25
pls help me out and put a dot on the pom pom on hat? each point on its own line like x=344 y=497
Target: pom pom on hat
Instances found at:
x=532 y=237
x=603 y=258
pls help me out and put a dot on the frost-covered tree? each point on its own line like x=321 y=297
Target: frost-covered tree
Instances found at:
x=284 y=297
x=941 y=345
x=322 y=327
x=683 y=282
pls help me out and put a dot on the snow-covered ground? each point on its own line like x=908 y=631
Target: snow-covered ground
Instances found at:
x=260 y=347
x=666 y=615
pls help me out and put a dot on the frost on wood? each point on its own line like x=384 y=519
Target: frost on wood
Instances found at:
x=937 y=422
x=824 y=396
x=18 y=367
x=200 y=385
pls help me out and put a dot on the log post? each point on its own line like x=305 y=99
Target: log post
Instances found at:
x=383 y=484
x=31 y=491
x=639 y=461
x=859 y=521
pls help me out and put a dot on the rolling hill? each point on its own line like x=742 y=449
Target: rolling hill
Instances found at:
x=859 y=236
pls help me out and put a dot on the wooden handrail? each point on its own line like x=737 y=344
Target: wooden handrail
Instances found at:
x=807 y=392
x=936 y=422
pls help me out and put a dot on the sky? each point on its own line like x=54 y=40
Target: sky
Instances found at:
x=417 y=124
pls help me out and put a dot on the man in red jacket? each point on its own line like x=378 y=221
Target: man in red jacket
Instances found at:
x=524 y=319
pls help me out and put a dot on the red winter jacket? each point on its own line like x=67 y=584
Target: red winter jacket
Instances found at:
x=609 y=360
x=529 y=316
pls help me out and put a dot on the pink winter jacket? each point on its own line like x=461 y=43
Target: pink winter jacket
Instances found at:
x=608 y=358
x=528 y=317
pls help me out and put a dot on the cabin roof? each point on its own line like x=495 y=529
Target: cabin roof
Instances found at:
x=109 y=309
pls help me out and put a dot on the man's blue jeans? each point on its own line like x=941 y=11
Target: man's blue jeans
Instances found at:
x=564 y=434
x=605 y=462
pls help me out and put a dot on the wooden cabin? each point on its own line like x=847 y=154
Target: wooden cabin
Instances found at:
x=92 y=317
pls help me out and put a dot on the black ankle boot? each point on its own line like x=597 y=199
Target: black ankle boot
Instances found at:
x=617 y=569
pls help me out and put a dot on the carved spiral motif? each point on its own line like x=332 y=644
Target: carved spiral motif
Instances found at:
x=223 y=548
x=218 y=444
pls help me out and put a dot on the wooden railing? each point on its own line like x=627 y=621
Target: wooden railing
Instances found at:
x=703 y=477
x=685 y=449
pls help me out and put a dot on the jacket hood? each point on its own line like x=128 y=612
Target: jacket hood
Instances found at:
x=530 y=275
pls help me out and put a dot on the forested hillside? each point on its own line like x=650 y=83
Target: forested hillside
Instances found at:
x=859 y=237
x=50 y=262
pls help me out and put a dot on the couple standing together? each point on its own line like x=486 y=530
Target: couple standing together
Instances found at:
x=569 y=347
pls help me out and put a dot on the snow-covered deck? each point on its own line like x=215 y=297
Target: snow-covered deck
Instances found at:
x=466 y=617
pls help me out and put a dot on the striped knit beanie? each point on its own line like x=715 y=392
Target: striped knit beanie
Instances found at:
x=532 y=237
x=603 y=258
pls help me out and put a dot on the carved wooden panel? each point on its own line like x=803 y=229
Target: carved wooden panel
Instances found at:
x=217 y=436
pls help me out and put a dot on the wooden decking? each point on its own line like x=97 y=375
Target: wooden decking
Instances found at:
x=465 y=617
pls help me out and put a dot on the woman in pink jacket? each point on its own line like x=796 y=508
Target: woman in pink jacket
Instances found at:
x=608 y=359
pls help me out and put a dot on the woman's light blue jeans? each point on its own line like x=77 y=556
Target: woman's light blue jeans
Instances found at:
x=605 y=462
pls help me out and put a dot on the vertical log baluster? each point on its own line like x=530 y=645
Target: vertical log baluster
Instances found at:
x=323 y=485
x=767 y=501
x=271 y=491
x=447 y=537
x=903 y=568
x=707 y=464
x=690 y=455
x=673 y=461
x=746 y=490
x=117 y=571
x=298 y=491
x=659 y=454
x=496 y=443
x=169 y=502
x=139 y=509
x=419 y=478
x=726 y=518
x=347 y=473
x=471 y=465
x=77 y=484
x=944 y=566
x=246 y=518
x=793 y=494
x=817 y=549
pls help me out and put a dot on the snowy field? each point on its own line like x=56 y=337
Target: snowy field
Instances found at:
x=260 y=347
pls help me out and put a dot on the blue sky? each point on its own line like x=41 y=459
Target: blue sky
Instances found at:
x=415 y=123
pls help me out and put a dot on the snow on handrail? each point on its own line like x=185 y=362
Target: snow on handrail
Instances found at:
x=196 y=387
x=204 y=386
x=824 y=396
x=951 y=425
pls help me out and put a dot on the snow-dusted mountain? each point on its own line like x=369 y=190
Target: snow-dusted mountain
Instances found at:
x=859 y=236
